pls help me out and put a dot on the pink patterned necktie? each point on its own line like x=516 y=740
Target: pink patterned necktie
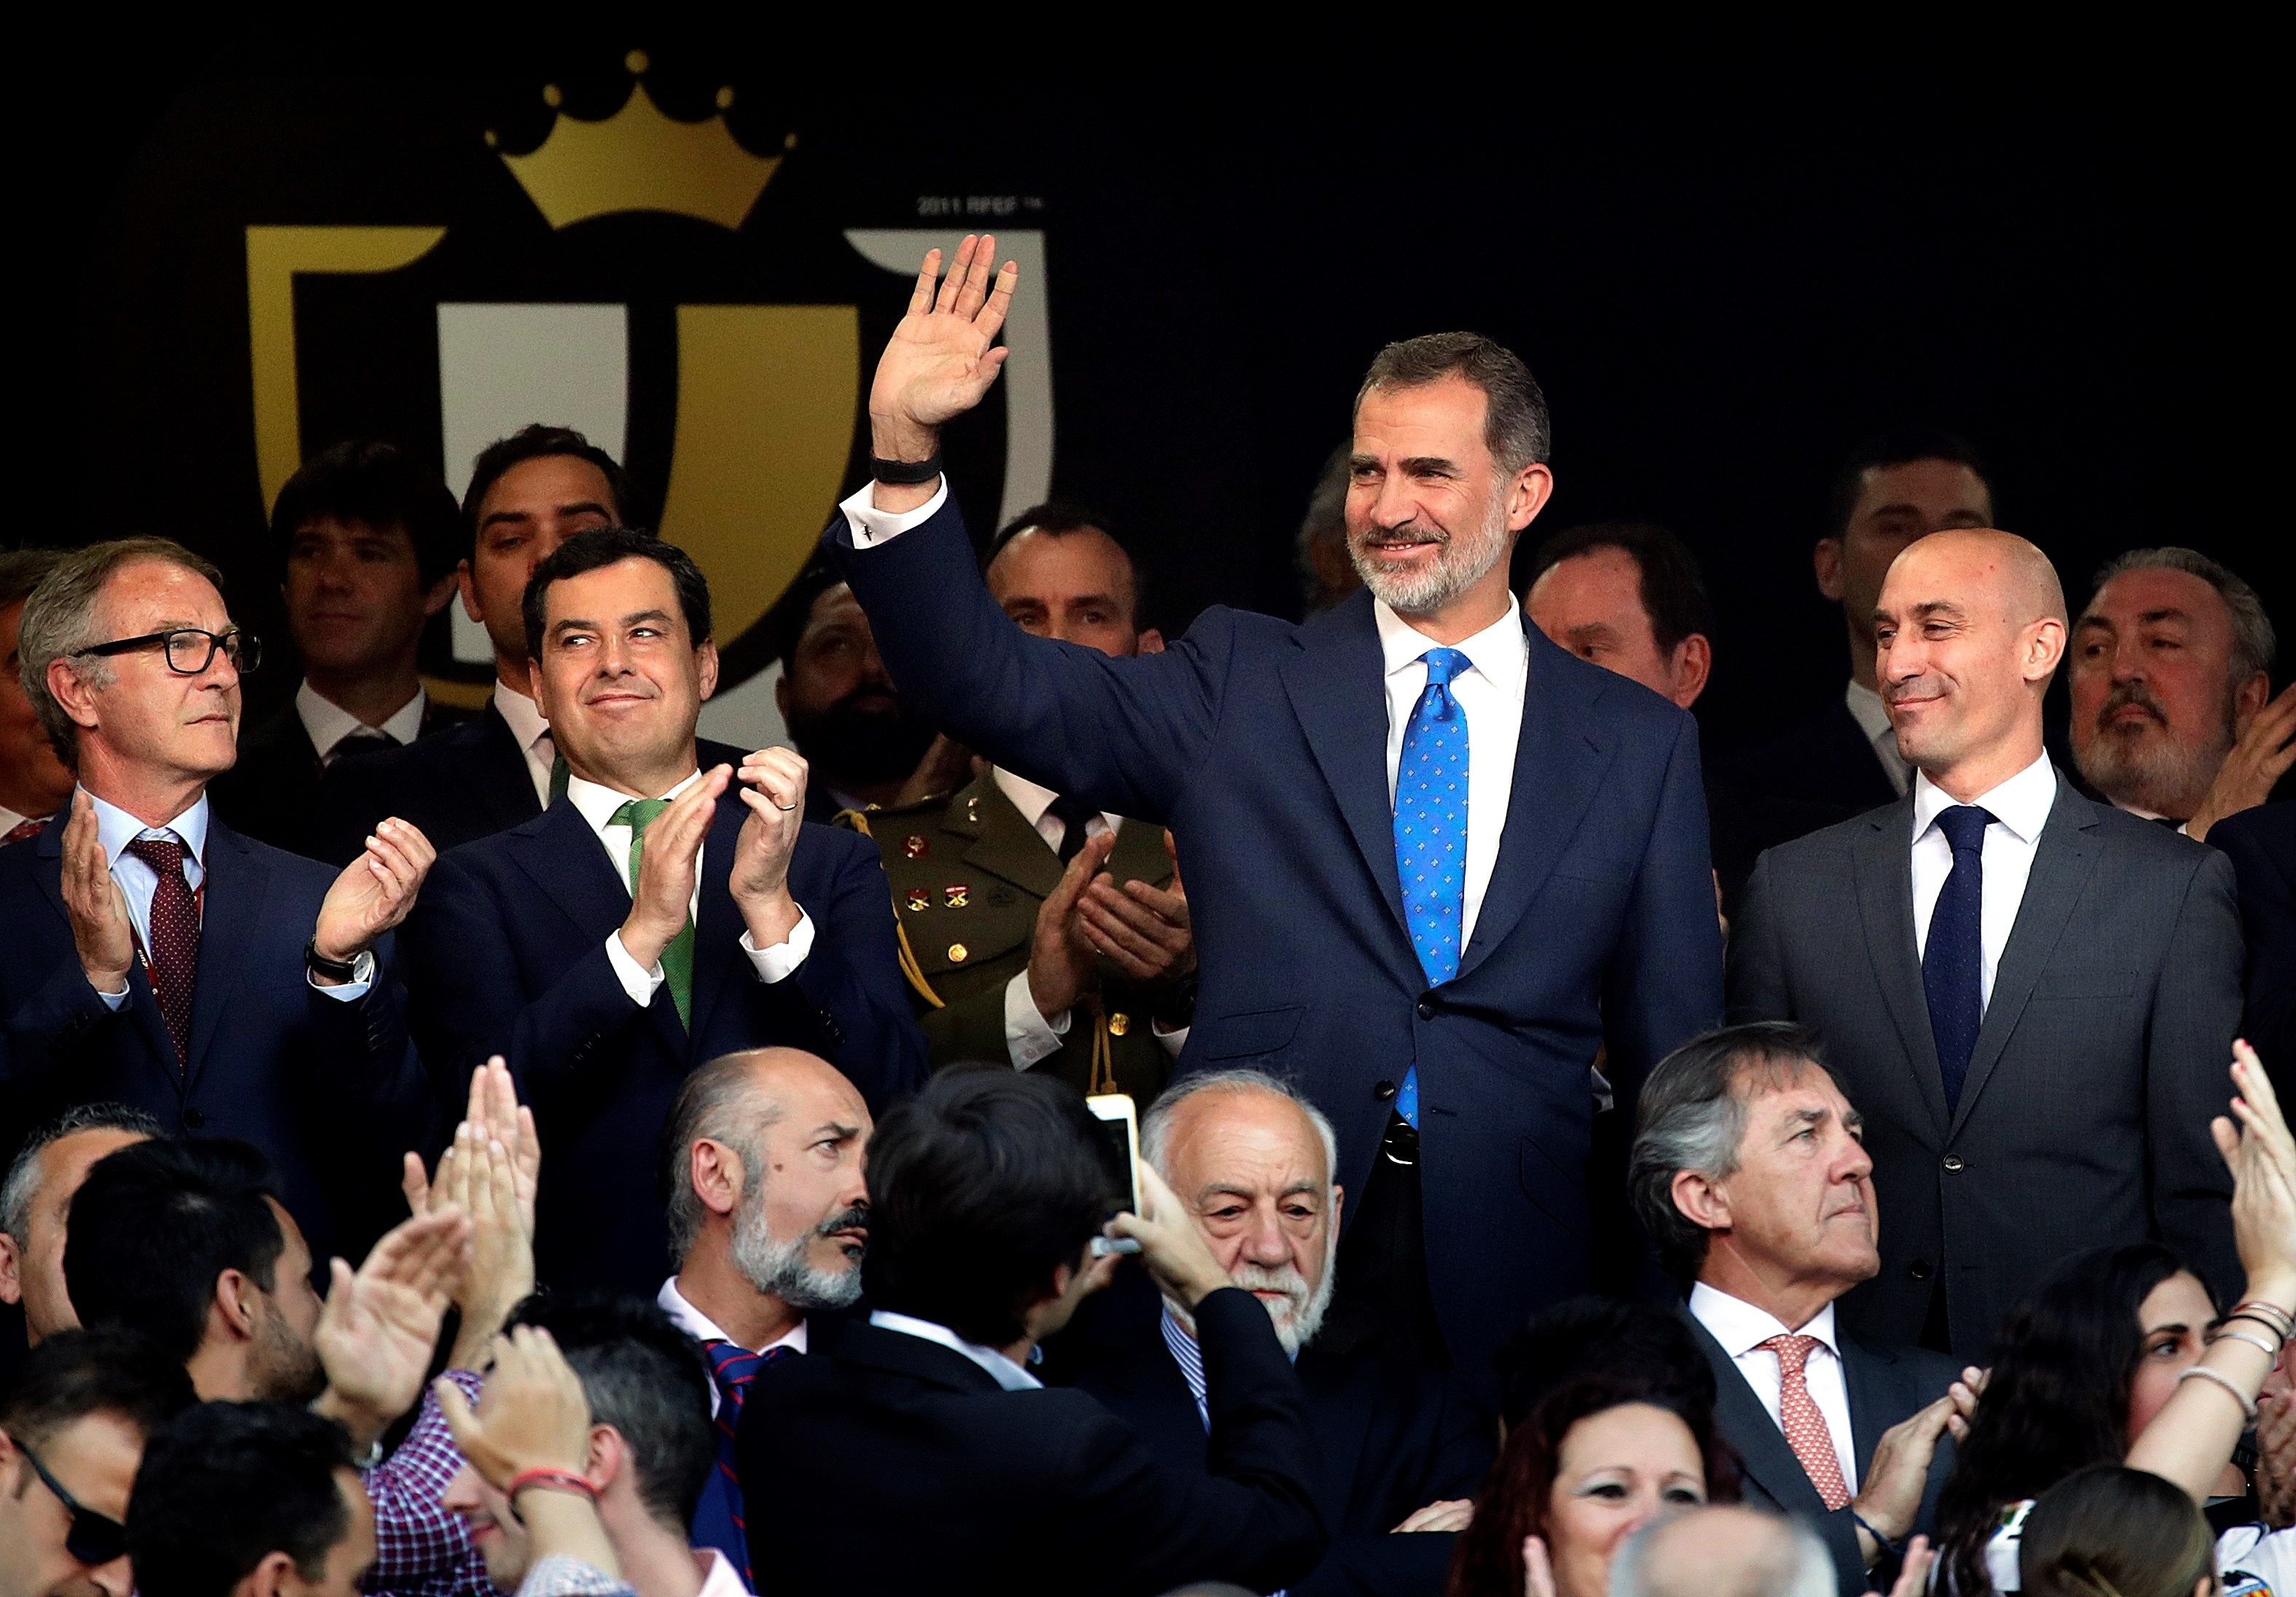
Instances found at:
x=1805 y=1426
x=175 y=953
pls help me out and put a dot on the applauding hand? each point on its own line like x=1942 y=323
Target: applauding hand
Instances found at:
x=374 y=893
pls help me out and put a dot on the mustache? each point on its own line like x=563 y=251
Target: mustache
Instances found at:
x=853 y=1219
x=1410 y=532
x=1259 y=1277
x=2126 y=694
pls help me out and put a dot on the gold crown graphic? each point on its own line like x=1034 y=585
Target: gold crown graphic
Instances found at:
x=639 y=160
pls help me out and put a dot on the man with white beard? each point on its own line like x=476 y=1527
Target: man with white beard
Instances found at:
x=757 y=1252
x=1402 y=1449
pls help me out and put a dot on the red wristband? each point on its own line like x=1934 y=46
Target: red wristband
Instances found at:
x=551 y=1480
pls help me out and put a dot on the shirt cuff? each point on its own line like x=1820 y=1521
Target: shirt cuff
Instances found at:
x=115 y=1001
x=1171 y=1042
x=637 y=981
x=772 y=964
x=1029 y=1037
x=872 y=526
x=350 y=992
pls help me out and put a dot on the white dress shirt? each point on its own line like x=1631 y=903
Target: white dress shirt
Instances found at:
x=719 y=1578
x=699 y=1326
x=9 y=821
x=1001 y=1369
x=115 y=828
x=597 y=806
x=1872 y=719
x=2021 y=808
x=327 y=723
x=1741 y=1329
x=524 y=718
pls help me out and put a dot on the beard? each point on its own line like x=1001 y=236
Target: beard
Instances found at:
x=1300 y=1314
x=289 y=1366
x=2147 y=769
x=1461 y=561
x=855 y=744
x=785 y=1270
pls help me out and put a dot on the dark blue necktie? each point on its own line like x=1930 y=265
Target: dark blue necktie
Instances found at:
x=718 y=1518
x=1953 y=964
x=1431 y=834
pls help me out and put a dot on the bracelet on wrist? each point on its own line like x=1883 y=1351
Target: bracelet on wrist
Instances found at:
x=2218 y=1378
x=906 y=474
x=2278 y=1333
x=2265 y=1312
x=547 y=1479
x=2224 y=1333
x=1887 y=1545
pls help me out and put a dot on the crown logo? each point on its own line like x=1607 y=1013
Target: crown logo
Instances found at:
x=639 y=160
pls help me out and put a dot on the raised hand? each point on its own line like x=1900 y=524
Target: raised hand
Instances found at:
x=761 y=852
x=378 y=1326
x=673 y=850
x=1444 y=1514
x=1890 y=1495
x=532 y=1414
x=1060 y=959
x=941 y=360
x=1143 y=930
x=2262 y=1157
x=2259 y=760
x=1913 y=1576
x=1170 y=1245
x=1537 y=1568
x=101 y=932
x=376 y=890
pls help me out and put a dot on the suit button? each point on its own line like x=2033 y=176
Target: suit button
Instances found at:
x=1919 y=1270
x=194 y=1119
x=1426 y=1009
x=1953 y=1161
x=1383 y=1091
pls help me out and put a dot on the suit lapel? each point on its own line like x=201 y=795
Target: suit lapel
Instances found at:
x=1768 y=1460
x=1865 y=1372
x=1559 y=762
x=1882 y=876
x=1336 y=685
x=2062 y=860
x=237 y=883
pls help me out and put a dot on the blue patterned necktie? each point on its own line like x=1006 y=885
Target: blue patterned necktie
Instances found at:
x=718 y=1518
x=1953 y=961
x=1431 y=834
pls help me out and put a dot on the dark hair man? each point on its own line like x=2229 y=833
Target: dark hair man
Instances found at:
x=1898 y=487
x=768 y=1215
x=1750 y=1176
x=986 y=1192
x=651 y=1451
x=1988 y=938
x=1315 y=775
x=2173 y=717
x=528 y=494
x=689 y=911
x=36 y=1196
x=1082 y=911
x=34 y=783
x=112 y=989
x=368 y=537
x=1626 y=595
x=235 y=1499
x=1401 y=1451
x=73 y=1422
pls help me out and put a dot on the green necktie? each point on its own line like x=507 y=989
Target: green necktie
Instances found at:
x=558 y=775
x=678 y=959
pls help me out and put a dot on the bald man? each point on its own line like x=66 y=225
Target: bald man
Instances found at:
x=1724 y=1551
x=2031 y=996
x=769 y=1214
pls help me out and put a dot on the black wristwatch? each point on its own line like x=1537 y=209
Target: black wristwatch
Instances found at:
x=906 y=474
x=334 y=970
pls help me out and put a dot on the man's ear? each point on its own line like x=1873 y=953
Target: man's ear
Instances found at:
x=470 y=590
x=11 y=1270
x=609 y=1456
x=2248 y=700
x=2045 y=648
x=717 y=1174
x=70 y=689
x=1339 y=1206
x=534 y=683
x=1692 y=664
x=1152 y=641
x=274 y=1575
x=1527 y=495
x=232 y=1305
x=1825 y=565
x=442 y=594
x=1700 y=1201
x=706 y=665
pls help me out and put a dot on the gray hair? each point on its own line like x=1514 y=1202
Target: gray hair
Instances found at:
x=60 y=621
x=721 y=1102
x=2254 y=645
x=1693 y=1117
x=1515 y=427
x=1156 y=1125
x=22 y=1184
x=1792 y=1563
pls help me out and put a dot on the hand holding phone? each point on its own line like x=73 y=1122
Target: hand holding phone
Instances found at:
x=1170 y=1245
x=1119 y=1125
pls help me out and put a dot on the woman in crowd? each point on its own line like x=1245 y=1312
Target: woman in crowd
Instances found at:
x=2109 y=1528
x=2122 y=1355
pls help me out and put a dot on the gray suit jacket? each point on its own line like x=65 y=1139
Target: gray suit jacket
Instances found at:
x=1887 y=1386
x=2102 y=1056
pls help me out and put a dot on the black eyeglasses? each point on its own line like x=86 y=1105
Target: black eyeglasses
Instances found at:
x=190 y=650
x=93 y=1539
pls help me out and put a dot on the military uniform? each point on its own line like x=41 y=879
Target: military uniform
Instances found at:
x=969 y=874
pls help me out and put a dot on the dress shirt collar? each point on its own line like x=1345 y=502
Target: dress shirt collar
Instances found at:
x=598 y=803
x=1001 y=1369
x=521 y=715
x=9 y=821
x=117 y=828
x=1500 y=653
x=2022 y=803
x=1030 y=799
x=1741 y=1328
x=719 y=1578
x=328 y=723
x=1867 y=710
x=699 y=1326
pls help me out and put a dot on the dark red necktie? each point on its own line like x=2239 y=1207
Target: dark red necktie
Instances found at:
x=23 y=830
x=174 y=961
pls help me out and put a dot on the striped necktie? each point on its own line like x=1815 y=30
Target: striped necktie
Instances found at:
x=718 y=1520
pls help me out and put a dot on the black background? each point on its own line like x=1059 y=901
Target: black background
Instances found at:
x=1726 y=257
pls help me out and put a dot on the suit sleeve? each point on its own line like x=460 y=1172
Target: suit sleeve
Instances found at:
x=58 y=1023
x=1251 y=1517
x=1664 y=986
x=1123 y=735
x=2196 y=1015
x=1374 y=1562
x=852 y=979
x=1757 y=970
x=391 y=1098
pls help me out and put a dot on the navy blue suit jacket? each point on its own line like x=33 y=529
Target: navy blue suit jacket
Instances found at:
x=507 y=953
x=1263 y=746
x=329 y=1091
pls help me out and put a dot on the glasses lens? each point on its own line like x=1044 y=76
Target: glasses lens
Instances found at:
x=93 y=1539
x=246 y=650
x=189 y=651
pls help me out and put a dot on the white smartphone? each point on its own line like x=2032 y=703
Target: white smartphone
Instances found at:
x=1119 y=1129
